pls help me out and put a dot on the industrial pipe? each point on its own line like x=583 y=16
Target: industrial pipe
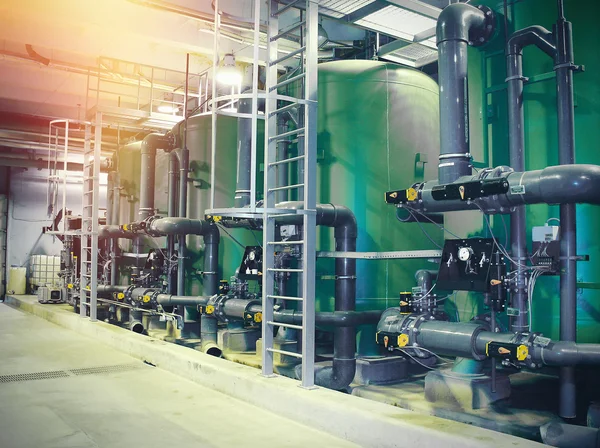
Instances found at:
x=563 y=435
x=458 y=26
x=542 y=38
x=109 y=289
x=172 y=208
x=173 y=300
x=564 y=67
x=562 y=184
x=208 y=335
x=114 y=231
x=343 y=369
x=148 y=171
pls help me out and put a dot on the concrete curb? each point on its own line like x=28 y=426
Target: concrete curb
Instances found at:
x=366 y=423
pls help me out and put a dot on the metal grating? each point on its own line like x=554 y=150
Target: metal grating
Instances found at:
x=398 y=22
x=69 y=373
x=33 y=376
x=415 y=52
x=341 y=8
x=106 y=369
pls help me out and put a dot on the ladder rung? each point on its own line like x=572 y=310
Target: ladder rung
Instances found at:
x=291 y=54
x=285 y=270
x=287 y=134
x=297 y=299
x=290 y=160
x=285 y=108
x=288 y=30
x=285 y=8
x=281 y=324
x=284 y=243
x=284 y=352
x=287 y=81
x=286 y=187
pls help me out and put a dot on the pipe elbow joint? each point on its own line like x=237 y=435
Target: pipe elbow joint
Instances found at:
x=211 y=234
x=460 y=21
x=338 y=376
x=532 y=35
x=154 y=141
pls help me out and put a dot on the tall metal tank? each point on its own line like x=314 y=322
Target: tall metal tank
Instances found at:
x=489 y=126
x=378 y=129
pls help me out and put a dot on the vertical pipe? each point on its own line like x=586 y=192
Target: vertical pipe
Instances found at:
x=454 y=114
x=458 y=26
x=516 y=141
x=172 y=211
x=244 y=155
x=568 y=231
x=213 y=136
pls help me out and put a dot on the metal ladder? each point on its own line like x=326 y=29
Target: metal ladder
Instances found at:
x=306 y=132
x=89 y=222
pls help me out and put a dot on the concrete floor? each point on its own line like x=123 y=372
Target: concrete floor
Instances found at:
x=100 y=397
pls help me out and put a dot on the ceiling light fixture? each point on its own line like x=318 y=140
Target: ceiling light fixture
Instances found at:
x=228 y=73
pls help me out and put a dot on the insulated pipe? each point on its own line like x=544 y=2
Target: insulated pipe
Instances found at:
x=568 y=230
x=244 y=151
x=458 y=26
x=148 y=174
x=542 y=38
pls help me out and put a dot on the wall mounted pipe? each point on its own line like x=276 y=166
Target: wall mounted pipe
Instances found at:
x=458 y=26
x=543 y=39
x=150 y=144
x=244 y=151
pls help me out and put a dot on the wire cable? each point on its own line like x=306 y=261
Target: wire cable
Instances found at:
x=423 y=230
x=432 y=221
x=230 y=235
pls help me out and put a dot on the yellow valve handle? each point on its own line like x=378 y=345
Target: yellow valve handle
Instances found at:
x=411 y=194
x=146 y=298
x=402 y=340
x=522 y=352
x=258 y=318
x=210 y=309
x=120 y=296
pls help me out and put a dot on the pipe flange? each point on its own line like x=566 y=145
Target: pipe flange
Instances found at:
x=483 y=36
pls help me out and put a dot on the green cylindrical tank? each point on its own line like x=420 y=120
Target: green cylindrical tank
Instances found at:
x=378 y=129
x=489 y=131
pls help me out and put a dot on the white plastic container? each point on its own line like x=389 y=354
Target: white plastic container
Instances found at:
x=16 y=281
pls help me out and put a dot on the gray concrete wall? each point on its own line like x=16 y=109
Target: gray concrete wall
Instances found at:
x=27 y=213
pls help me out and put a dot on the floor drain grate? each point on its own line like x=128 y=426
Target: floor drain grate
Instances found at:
x=69 y=373
x=33 y=376
x=106 y=369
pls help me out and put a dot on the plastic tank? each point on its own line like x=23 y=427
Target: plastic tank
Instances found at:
x=378 y=129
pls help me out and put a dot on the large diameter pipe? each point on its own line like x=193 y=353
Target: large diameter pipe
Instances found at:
x=173 y=300
x=563 y=435
x=562 y=184
x=568 y=229
x=179 y=226
x=148 y=172
x=115 y=231
x=458 y=25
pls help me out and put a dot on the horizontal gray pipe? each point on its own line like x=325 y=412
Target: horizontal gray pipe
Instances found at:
x=331 y=318
x=113 y=231
x=563 y=184
x=106 y=289
x=563 y=435
x=172 y=300
x=180 y=226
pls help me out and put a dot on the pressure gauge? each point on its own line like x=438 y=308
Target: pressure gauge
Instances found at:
x=252 y=256
x=465 y=253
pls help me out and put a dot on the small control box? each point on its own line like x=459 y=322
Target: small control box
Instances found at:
x=545 y=234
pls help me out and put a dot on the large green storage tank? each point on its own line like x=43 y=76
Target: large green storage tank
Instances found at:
x=378 y=129
x=489 y=142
